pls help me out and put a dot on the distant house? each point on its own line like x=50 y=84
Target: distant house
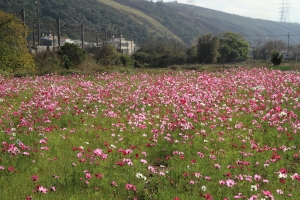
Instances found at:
x=123 y=46
x=49 y=42
x=52 y=41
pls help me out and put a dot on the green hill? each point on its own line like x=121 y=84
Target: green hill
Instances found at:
x=140 y=20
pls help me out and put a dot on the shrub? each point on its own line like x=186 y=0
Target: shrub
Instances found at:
x=107 y=56
x=276 y=58
x=126 y=60
x=72 y=55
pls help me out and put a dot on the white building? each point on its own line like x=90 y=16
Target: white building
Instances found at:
x=124 y=46
x=121 y=44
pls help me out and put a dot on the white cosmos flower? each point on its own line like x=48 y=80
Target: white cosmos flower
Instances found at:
x=253 y=187
x=282 y=175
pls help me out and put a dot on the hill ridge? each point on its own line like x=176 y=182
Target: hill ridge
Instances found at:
x=141 y=20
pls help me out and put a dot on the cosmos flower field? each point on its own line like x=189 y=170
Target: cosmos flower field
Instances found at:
x=174 y=135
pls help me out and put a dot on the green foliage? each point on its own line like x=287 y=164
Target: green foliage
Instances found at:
x=126 y=60
x=13 y=52
x=72 y=55
x=107 y=56
x=160 y=52
x=233 y=47
x=276 y=58
x=191 y=55
x=141 y=58
x=208 y=46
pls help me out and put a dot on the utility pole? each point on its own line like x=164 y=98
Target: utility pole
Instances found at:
x=23 y=15
x=33 y=36
x=82 y=36
x=120 y=42
x=58 y=32
x=105 y=36
x=23 y=20
x=288 y=43
x=38 y=20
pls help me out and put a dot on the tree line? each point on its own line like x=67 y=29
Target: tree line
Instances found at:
x=157 y=52
x=209 y=49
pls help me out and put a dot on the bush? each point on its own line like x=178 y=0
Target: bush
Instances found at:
x=126 y=60
x=108 y=56
x=72 y=55
x=276 y=58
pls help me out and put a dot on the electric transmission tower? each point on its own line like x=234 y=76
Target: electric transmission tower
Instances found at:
x=191 y=2
x=285 y=11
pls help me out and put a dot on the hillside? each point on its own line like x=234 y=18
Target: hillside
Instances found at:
x=140 y=20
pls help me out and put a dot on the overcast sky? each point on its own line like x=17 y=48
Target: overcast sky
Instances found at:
x=261 y=9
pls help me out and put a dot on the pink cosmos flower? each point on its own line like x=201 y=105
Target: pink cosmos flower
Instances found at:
x=268 y=194
x=99 y=176
x=253 y=197
x=42 y=189
x=143 y=161
x=208 y=197
x=113 y=183
x=230 y=183
x=201 y=155
x=34 y=178
x=161 y=173
x=55 y=176
x=88 y=176
x=217 y=166
x=11 y=168
x=222 y=182
x=257 y=177
x=283 y=171
x=130 y=187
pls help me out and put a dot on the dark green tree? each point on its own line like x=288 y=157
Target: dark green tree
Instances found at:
x=160 y=52
x=233 y=47
x=276 y=58
x=72 y=55
x=207 y=48
x=191 y=55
